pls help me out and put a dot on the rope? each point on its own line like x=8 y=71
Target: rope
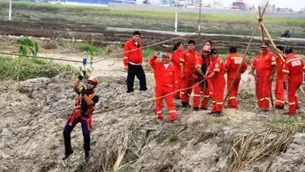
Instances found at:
x=41 y=57
x=149 y=99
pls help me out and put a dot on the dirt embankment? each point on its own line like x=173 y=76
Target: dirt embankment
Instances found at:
x=126 y=135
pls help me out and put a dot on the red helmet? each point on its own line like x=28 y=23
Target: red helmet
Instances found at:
x=93 y=79
x=165 y=55
x=206 y=48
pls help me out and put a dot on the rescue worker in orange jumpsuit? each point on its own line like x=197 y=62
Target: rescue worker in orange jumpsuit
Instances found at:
x=82 y=113
x=178 y=49
x=187 y=68
x=266 y=69
x=201 y=87
x=279 y=88
x=232 y=63
x=133 y=58
x=293 y=70
x=254 y=68
x=216 y=71
x=166 y=84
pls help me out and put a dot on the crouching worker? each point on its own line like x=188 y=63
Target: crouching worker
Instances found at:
x=82 y=113
x=166 y=84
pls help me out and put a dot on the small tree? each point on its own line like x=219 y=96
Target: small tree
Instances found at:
x=27 y=45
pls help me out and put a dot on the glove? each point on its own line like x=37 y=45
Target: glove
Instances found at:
x=82 y=90
x=81 y=75
x=285 y=85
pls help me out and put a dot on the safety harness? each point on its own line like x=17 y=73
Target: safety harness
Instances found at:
x=77 y=111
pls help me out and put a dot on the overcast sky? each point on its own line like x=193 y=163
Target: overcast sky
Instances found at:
x=294 y=4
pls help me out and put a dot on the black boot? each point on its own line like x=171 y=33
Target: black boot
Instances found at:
x=196 y=108
x=67 y=155
x=216 y=114
x=87 y=156
x=184 y=104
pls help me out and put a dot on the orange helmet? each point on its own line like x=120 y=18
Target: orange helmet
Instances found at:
x=206 y=48
x=93 y=79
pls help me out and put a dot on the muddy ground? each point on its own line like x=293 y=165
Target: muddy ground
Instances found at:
x=127 y=137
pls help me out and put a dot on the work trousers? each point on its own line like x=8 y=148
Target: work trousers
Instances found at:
x=201 y=90
x=186 y=86
x=218 y=91
x=166 y=91
x=86 y=133
x=293 y=85
x=232 y=99
x=279 y=93
x=135 y=70
x=264 y=89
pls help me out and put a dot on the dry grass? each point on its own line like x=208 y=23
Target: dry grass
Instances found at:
x=255 y=146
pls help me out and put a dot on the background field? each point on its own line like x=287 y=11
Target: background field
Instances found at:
x=95 y=19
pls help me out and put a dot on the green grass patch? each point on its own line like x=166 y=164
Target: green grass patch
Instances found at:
x=147 y=53
x=90 y=49
x=25 y=68
x=296 y=122
x=173 y=134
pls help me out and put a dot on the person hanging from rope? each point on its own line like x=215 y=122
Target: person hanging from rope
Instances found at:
x=82 y=113
x=215 y=72
x=266 y=70
x=232 y=63
x=254 y=68
x=279 y=87
x=166 y=83
x=187 y=62
x=201 y=87
x=133 y=58
x=177 y=50
x=293 y=78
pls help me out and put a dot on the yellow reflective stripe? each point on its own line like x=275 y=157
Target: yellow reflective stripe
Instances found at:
x=285 y=71
x=230 y=98
x=293 y=103
x=196 y=95
x=125 y=57
x=182 y=60
x=197 y=66
x=273 y=63
x=216 y=70
x=219 y=103
x=206 y=96
x=298 y=58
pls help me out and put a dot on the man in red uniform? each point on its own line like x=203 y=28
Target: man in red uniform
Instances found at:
x=187 y=68
x=133 y=58
x=201 y=87
x=166 y=84
x=279 y=89
x=177 y=50
x=254 y=68
x=293 y=70
x=232 y=63
x=266 y=69
x=216 y=71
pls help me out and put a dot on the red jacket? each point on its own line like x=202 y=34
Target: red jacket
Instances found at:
x=188 y=58
x=294 y=67
x=163 y=76
x=279 y=68
x=232 y=63
x=132 y=53
x=265 y=62
x=216 y=66
x=176 y=59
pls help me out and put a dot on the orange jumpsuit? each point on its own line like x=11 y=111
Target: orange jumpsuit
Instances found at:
x=188 y=60
x=176 y=62
x=218 y=81
x=166 y=83
x=294 y=67
x=265 y=63
x=232 y=63
x=254 y=66
x=201 y=88
x=279 y=88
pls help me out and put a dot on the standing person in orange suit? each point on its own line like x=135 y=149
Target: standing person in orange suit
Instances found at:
x=187 y=68
x=232 y=63
x=177 y=51
x=279 y=87
x=201 y=87
x=166 y=84
x=216 y=71
x=266 y=70
x=293 y=78
x=254 y=68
